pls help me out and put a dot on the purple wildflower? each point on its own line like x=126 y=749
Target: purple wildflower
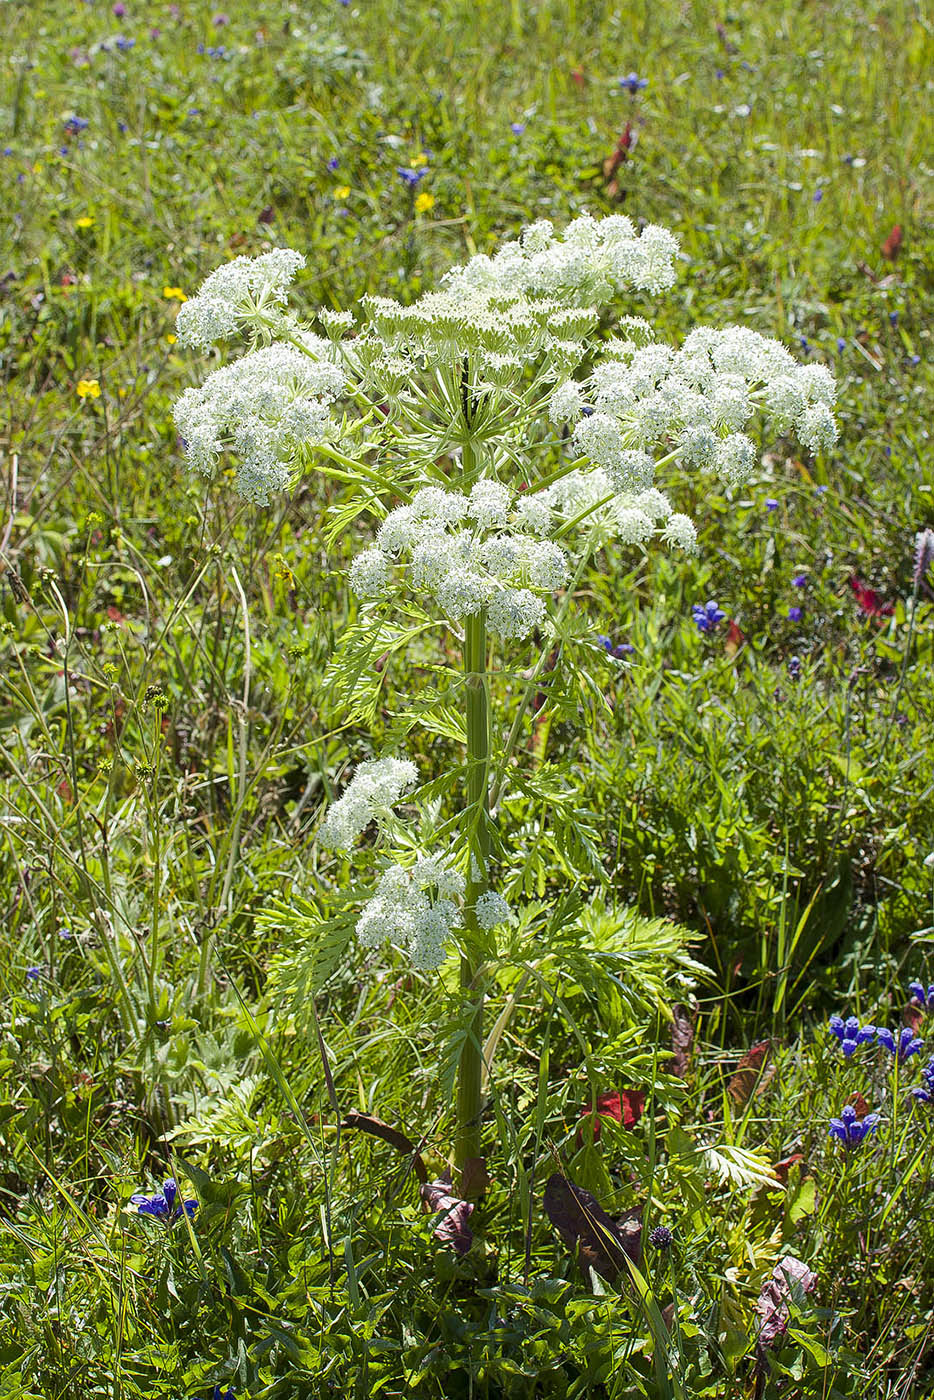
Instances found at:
x=771 y=503
x=924 y=555
x=408 y=176
x=850 y=1033
x=925 y=1093
x=333 y=163
x=707 y=616
x=908 y=1043
x=922 y=997
x=795 y=614
x=852 y=1130
x=164 y=1205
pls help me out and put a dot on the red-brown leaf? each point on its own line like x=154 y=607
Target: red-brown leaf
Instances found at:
x=750 y=1073
x=892 y=244
x=452 y=1227
x=682 y=1040
x=598 y=1241
x=375 y=1127
x=772 y=1306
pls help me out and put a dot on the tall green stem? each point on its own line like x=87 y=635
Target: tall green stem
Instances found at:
x=470 y=1066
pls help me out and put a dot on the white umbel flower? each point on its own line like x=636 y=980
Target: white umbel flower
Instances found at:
x=373 y=790
x=245 y=293
x=415 y=907
x=491 y=909
x=369 y=573
x=265 y=408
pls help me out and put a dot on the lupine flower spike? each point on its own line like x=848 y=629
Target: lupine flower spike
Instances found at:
x=851 y=1130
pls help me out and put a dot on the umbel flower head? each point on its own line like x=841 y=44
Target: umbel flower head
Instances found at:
x=489 y=361
x=374 y=789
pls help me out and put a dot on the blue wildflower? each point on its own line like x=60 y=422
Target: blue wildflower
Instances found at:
x=805 y=345
x=893 y=318
x=633 y=83
x=795 y=614
x=841 y=345
x=771 y=503
x=799 y=581
x=850 y=1033
x=33 y=974
x=333 y=163
x=75 y=124
x=914 y=360
x=926 y=1093
x=227 y=1395
x=124 y=44
x=818 y=195
x=164 y=1205
x=408 y=176
x=908 y=1043
x=794 y=667
x=852 y=1130
x=707 y=616
x=517 y=128
x=922 y=997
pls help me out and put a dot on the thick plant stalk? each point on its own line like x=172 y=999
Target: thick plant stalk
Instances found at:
x=470 y=1066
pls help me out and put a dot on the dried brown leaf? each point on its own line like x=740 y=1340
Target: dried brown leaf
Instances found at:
x=375 y=1127
x=598 y=1241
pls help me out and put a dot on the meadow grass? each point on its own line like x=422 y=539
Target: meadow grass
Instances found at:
x=757 y=804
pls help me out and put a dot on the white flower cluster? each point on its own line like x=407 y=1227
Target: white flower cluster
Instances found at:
x=592 y=262
x=491 y=909
x=699 y=398
x=414 y=906
x=245 y=294
x=373 y=790
x=265 y=407
x=469 y=552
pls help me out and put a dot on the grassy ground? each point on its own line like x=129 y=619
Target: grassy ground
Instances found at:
x=170 y=726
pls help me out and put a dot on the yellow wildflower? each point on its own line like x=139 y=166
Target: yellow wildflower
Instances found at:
x=171 y=339
x=419 y=160
x=174 y=294
x=424 y=202
x=342 y=192
x=88 y=389
x=84 y=222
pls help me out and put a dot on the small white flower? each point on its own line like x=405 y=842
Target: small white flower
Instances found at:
x=246 y=292
x=680 y=532
x=489 y=503
x=375 y=787
x=369 y=573
x=491 y=909
x=566 y=403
